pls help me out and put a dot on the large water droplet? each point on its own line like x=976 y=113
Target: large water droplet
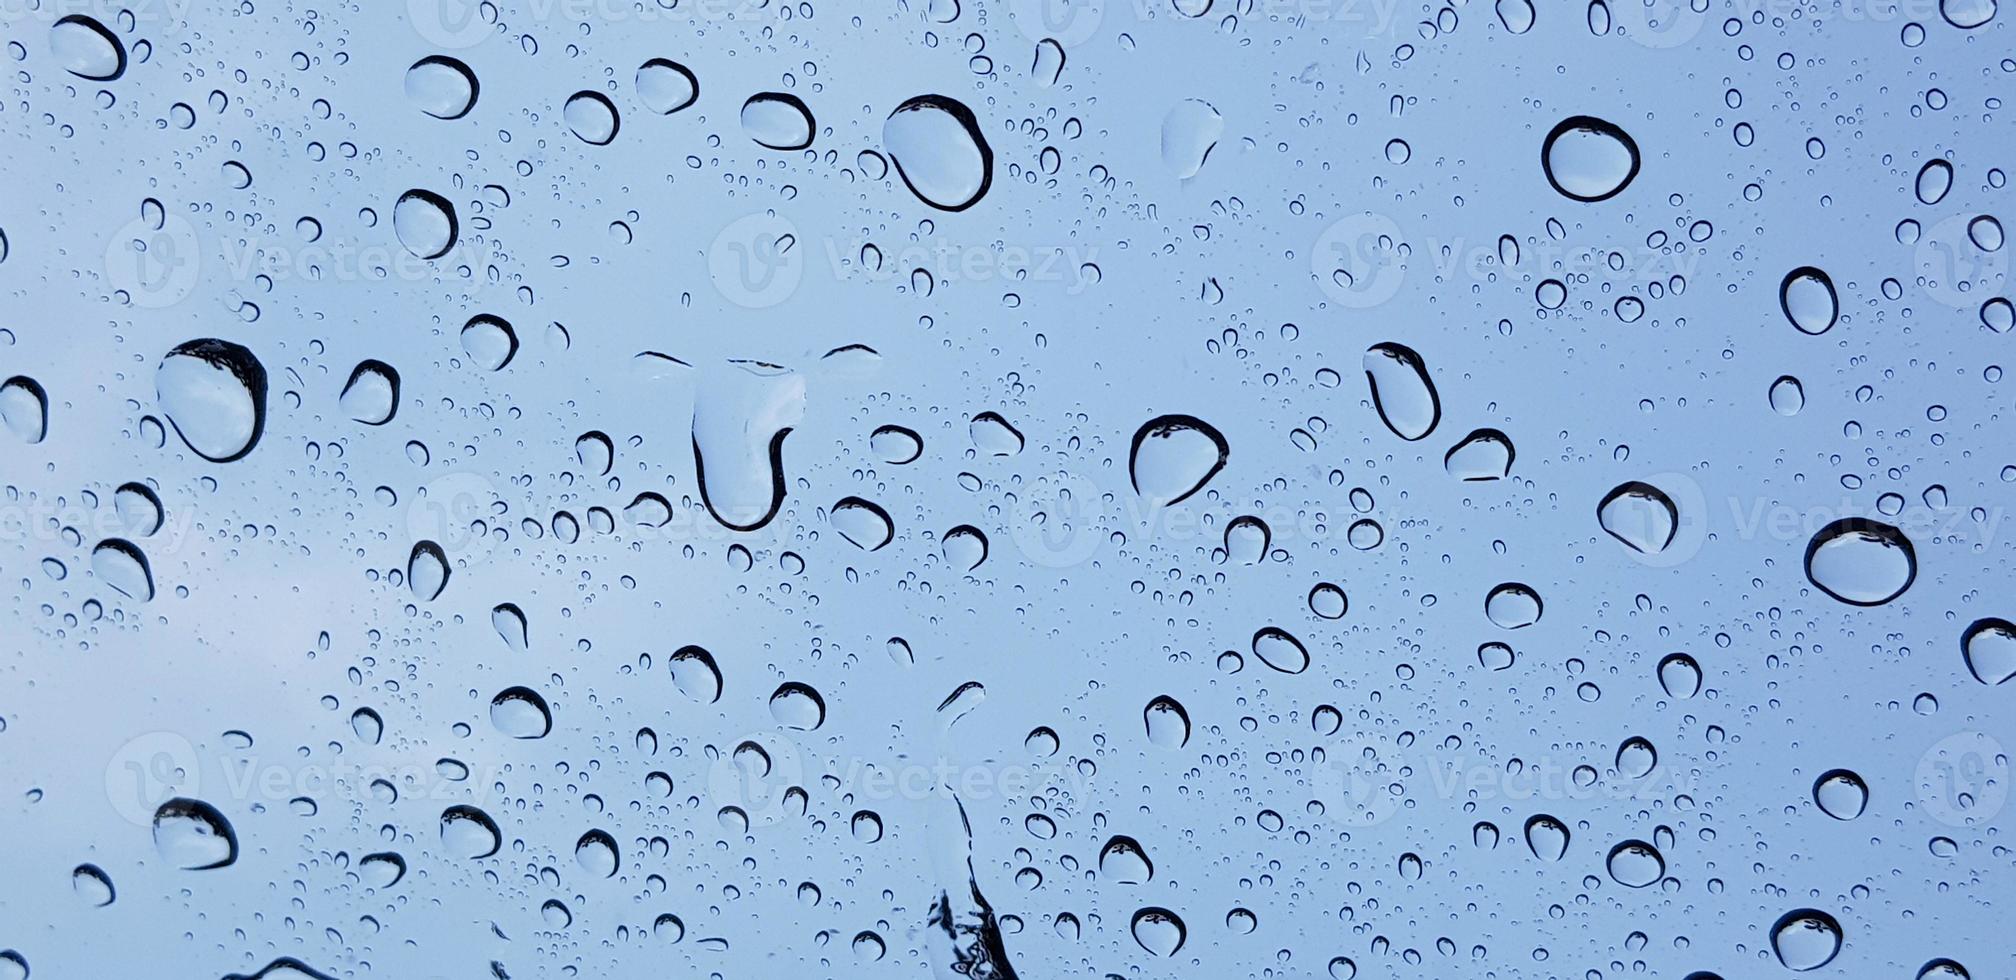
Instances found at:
x=1159 y=931
x=1546 y=837
x=1935 y=178
x=521 y=713
x=592 y=117
x=862 y=522
x=1174 y=456
x=1989 y=647
x=665 y=87
x=24 y=408
x=1808 y=300
x=1861 y=562
x=597 y=854
x=798 y=706
x=1278 y=649
x=740 y=418
x=1635 y=864
x=121 y=565
x=1516 y=15
x=1840 y=794
x=1680 y=675
x=1485 y=454
x=1123 y=861
x=427 y=570
x=1967 y=14
x=1401 y=391
x=695 y=674
x=1168 y=723
x=93 y=885
x=214 y=393
x=371 y=396
x=425 y=223
x=1513 y=606
x=1788 y=396
x=1589 y=159
x=490 y=341
x=467 y=832
x=1806 y=939
x=778 y=121
x=939 y=151
x=86 y=49
x=1640 y=515
x=192 y=835
x=442 y=87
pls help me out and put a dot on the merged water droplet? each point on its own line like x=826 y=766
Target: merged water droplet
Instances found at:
x=1589 y=159
x=740 y=417
x=214 y=393
x=778 y=121
x=939 y=151
x=1174 y=456
x=1401 y=391
x=1861 y=562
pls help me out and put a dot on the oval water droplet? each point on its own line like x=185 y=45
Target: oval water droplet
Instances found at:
x=1278 y=649
x=965 y=547
x=214 y=393
x=1967 y=14
x=1935 y=178
x=695 y=674
x=1589 y=159
x=1840 y=794
x=939 y=151
x=381 y=870
x=1124 y=862
x=1680 y=675
x=1513 y=606
x=896 y=445
x=1174 y=456
x=1635 y=864
x=1989 y=647
x=93 y=885
x=490 y=341
x=86 y=49
x=24 y=408
x=1636 y=758
x=592 y=118
x=1485 y=454
x=778 y=121
x=1861 y=562
x=427 y=570
x=798 y=706
x=1402 y=394
x=1808 y=300
x=1516 y=15
x=1547 y=837
x=596 y=853
x=1788 y=396
x=862 y=522
x=1168 y=723
x=121 y=565
x=1159 y=931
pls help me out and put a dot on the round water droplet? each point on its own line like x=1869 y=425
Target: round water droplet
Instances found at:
x=1636 y=758
x=596 y=853
x=1986 y=233
x=489 y=341
x=1547 y=837
x=965 y=547
x=1123 y=861
x=896 y=445
x=939 y=151
x=1808 y=300
x=469 y=833
x=1989 y=647
x=1516 y=15
x=1328 y=601
x=1967 y=14
x=1840 y=794
x=778 y=121
x=1247 y=539
x=798 y=706
x=665 y=87
x=192 y=835
x=1513 y=606
x=371 y=396
x=695 y=674
x=442 y=87
x=1174 y=456
x=1861 y=562
x=592 y=117
x=1168 y=723
x=214 y=393
x=1806 y=939
x=1942 y=969
x=86 y=49
x=521 y=713
x=1589 y=159
x=381 y=870
x=425 y=223
x=1640 y=515
x=1401 y=391
x=1635 y=864
x=1159 y=931
x=1788 y=396
x=1679 y=675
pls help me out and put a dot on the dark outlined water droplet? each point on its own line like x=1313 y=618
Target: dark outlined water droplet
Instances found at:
x=1174 y=456
x=1159 y=931
x=1840 y=794
x=490 y=341
x=939 y=151
x=965 y=547
x=1512 y=606
x=1935 y=178
x=896 y=445
x=665 y=86
x=1787 y=396
x=93 y=885
x=382 y=869
x=862 y=522
x=741 y=416
x=993 y=435
x=371 y=396
x=778 y=121
x=1680 y=675
x=1589 y=159
x=1808 y=300
x=427 y=570
x=695 y=674
x=1402 y=394
x=86 y=49
x=798 y=706
x=120 y=564
x=1639 y=515
x=1485 y=454
x=1635 y=864
x=1124 y=862
x=521 y=713
x=1278 y=649
x=24 y=408
x=592 y=117
x=214 y=393
x=1989 y=647
x=1806 y=939
x=469 y=833
x=1168 y=723
x=442 y=87
x=193 y=835
x=1861 y=562
x=597 y=854
x=425 y=223
x=1546 y=837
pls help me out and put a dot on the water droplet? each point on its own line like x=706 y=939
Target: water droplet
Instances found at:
x=1513 y=606
x=1401 y=391
x=1989 y=647
x=1788 y=396
x=798 y=706
x=1935 y=178
x=665 y=87
x=1680 y=676
x=1159 y=931
x=596 y=853
x=1189 y=132
x=93 y=885
x=427 y=570
x=24 y=408
x=1516 y=15
x=862 y=522
x=1328 y=601
x=1806 y=939
x=1861 y=562
x=214 y=393
x=1808 y=300
x=381 y=870
x=1636 y=758
x=965 y=547
x=1278 y=649
x=1840 y=794
x=1635 y=864
x=425 y=223
x=469 y=833
x=592 y=117
x=1547 y=837
x=442 y=87
x=741 y=415
x=1967 y=14
x=1123 y=862
x=192 y=835
x=86 y=49
x=521 y=713
x=1174 y=456
x=939 y=151
x=489 y=341
x=1640 y=515
x=1168 y=723
x=777 y=121
x=1485 y=454
x=695 y=674
x=896 y=445
x=1589 y=159
x=371 y=396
